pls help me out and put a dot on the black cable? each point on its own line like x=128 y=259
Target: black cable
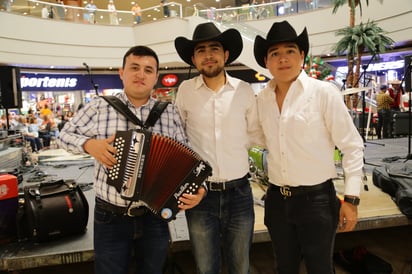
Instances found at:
x=95 y=86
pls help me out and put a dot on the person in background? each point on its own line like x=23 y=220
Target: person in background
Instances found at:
x=3 y=122
x=5 y=5
x=166 y=9
x=405 y=101
x=263 y=11
x=303 y=119
x=61 y=13
x=253 y=9
x=117 y=234
x=220 y=116
x=45 y=129
x=384 y=101
x=45 y=111
x=395 y=92
x=33 y=135
x=137 y=13
x=91 y=12
x=112 y=13
x=44 y=12
x=51 y=12
x=13 y=121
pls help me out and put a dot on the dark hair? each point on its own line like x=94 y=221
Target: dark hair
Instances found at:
x=141 y=51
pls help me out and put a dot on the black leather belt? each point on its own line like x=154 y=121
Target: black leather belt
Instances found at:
x=222 y=186
x=290 y=191
x=132 y=211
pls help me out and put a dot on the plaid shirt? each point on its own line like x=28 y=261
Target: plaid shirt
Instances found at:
x=99 y=120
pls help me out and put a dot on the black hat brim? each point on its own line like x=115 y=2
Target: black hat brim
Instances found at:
x=230 y=39
x=262 y=45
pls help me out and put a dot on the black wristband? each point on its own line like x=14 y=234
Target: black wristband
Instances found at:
x=352 y=200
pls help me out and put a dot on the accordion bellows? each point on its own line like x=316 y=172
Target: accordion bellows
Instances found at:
x=156 y=170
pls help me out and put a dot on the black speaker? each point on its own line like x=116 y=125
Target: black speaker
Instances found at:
x=10 y=88
x=408 y=72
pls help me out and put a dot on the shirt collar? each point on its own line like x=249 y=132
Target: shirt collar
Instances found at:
x=229 y=81
x=149 y=103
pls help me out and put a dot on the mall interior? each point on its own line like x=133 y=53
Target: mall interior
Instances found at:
x=70 y=47
x=61 y=54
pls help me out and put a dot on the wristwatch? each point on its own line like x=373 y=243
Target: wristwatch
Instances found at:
x=352 y=200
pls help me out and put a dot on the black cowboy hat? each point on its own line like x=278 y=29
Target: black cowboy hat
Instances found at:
x=230 y=39
x=279 y=32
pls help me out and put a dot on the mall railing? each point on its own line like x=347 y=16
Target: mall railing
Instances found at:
x=120 y=17
x=54 y=11
x=249 y=12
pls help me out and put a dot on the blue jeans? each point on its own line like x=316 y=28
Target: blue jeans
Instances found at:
x=223 y=220
x=116 y=236
x=303 y=226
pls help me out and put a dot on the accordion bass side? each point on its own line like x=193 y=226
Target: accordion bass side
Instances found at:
x=156 y=170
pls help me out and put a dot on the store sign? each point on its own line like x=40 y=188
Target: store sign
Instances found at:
x=48 y=82
x=169 y=80
x=68 y=82
x=378 y=66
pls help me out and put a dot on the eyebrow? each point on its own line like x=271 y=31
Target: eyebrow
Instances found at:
x=139 y=65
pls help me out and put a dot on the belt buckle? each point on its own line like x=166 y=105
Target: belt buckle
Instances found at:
x=130 y=211
x=216 y=186
x=285 y=191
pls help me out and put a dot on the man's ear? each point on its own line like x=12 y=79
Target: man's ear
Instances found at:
x=226 y=55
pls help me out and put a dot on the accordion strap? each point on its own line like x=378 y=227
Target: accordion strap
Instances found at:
x=121 y=107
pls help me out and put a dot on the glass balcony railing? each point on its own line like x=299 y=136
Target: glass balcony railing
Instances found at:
x=77 y=14
x=250 y=12
x=247 y=12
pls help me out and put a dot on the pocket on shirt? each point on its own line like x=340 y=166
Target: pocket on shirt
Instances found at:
x=309 y=126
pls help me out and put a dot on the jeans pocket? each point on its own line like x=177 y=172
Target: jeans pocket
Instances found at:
x=102 y=217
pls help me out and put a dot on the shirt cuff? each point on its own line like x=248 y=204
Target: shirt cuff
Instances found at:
x=353 y=186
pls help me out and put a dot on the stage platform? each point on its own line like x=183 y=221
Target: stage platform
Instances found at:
x=376 y=210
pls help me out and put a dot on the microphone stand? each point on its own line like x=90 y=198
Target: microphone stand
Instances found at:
x=95 y=86
x=409 y=155
x=362 y=124
x=362 y=121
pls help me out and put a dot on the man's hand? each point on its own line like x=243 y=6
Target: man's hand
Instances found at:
x=348 y=217
x=102 y=150
x=191 y=200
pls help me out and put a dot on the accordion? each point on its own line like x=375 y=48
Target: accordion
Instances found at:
x=155 y=170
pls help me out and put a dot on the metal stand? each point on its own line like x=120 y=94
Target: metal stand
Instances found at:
x=409 y=155
x=95 y=86
x=365 y=67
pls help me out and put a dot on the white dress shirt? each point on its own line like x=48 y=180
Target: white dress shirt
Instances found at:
x=301 y=139
x=221 y=126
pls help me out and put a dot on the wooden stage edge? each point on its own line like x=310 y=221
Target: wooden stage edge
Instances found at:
x=377 y=210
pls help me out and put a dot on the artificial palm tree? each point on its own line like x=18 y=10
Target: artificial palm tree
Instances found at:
x=351 y=80
x=355 y=40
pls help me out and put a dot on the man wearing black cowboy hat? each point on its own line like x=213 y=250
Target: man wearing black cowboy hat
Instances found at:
x=303 y=119
x=220 y=116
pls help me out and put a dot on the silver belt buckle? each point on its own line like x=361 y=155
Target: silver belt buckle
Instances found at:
x=218 y=186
